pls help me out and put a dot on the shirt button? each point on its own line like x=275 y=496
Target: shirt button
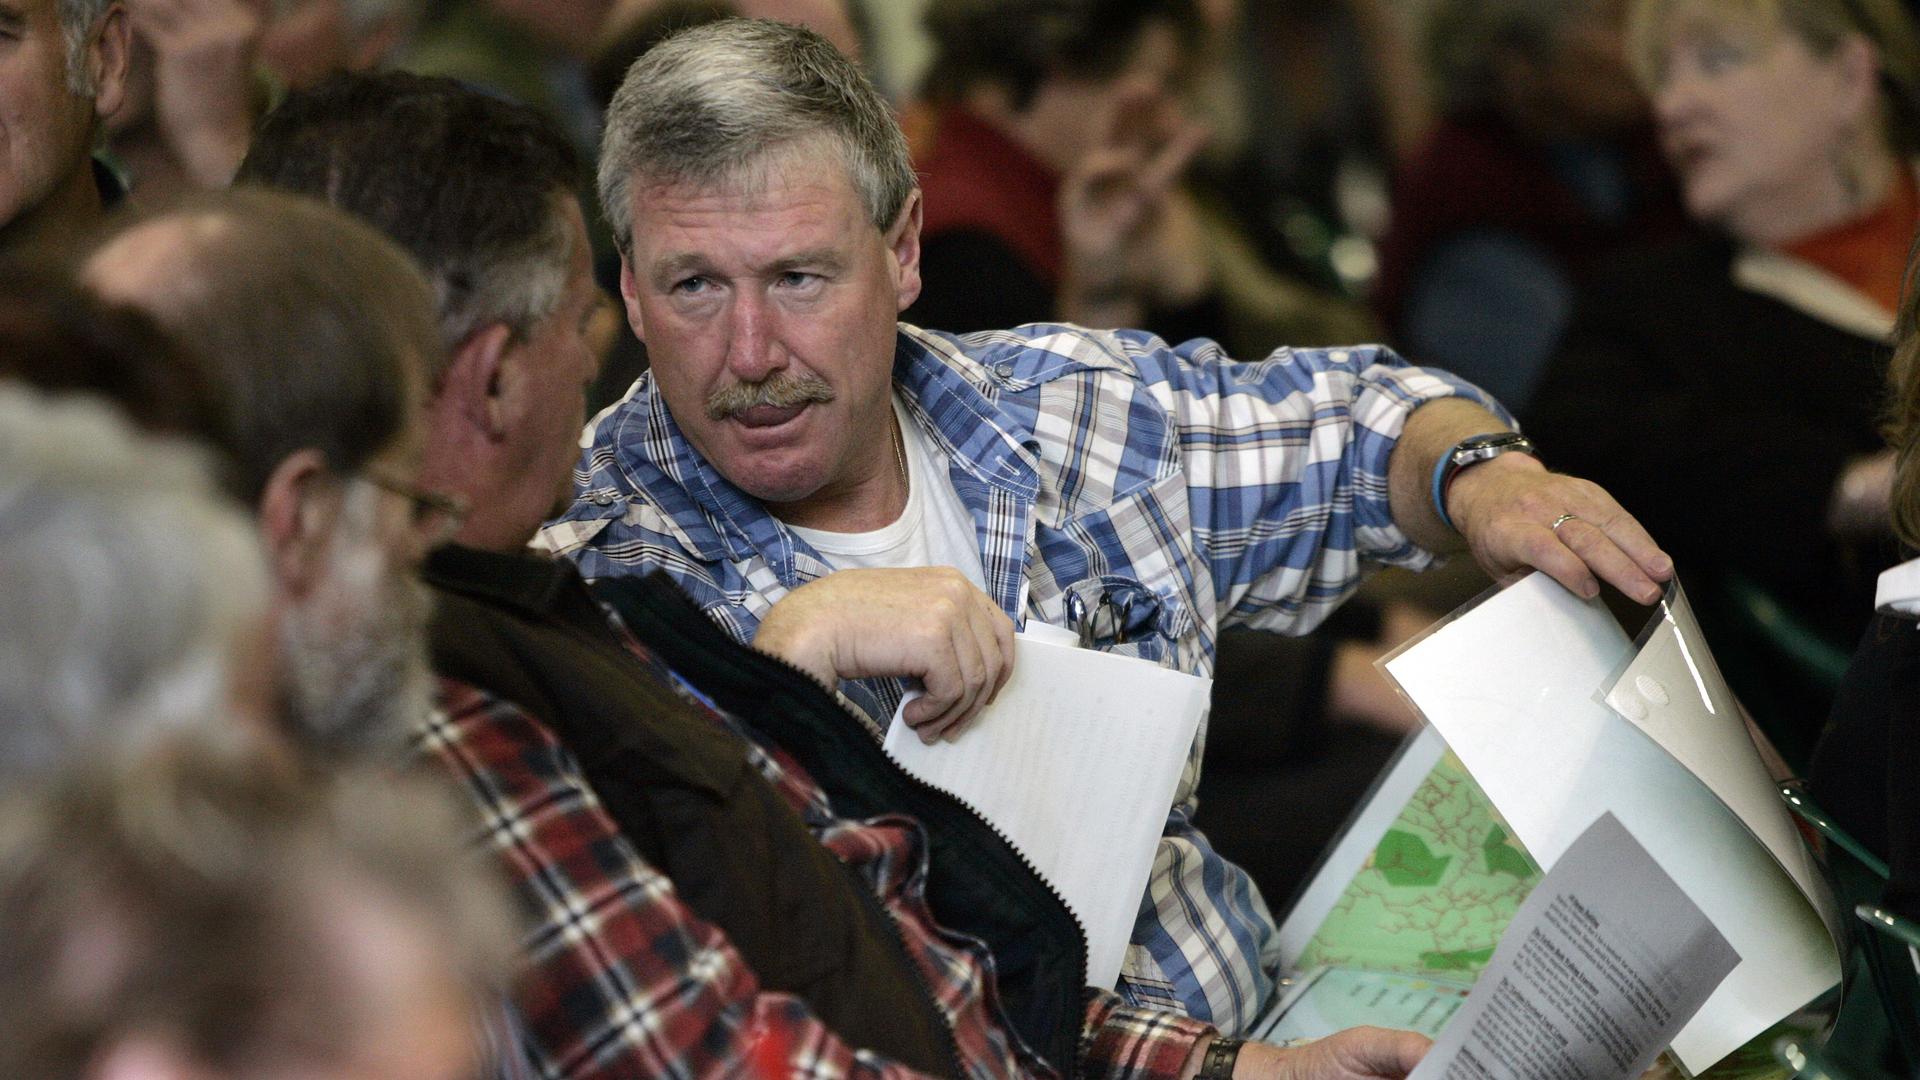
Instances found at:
x=1004 y=369
x=602 y=498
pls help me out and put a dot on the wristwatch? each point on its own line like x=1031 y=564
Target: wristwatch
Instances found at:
x=1221 y=1056
x=1471 y=451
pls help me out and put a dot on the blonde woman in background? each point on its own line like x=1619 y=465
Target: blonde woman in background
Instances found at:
x=1727 y=387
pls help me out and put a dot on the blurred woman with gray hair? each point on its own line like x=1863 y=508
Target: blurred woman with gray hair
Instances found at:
x=194 y=914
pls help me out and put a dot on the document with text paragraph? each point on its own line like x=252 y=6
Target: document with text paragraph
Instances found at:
x=1603 y=965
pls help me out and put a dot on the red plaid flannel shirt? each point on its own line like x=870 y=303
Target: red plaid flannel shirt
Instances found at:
x=622 y=980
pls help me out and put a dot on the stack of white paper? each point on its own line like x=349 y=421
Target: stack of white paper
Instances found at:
x=1075 y=762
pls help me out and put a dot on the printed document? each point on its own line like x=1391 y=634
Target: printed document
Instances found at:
x=1559 y=718
x=1603 y=965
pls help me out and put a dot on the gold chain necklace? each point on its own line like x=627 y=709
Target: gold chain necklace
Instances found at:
x=900 y=454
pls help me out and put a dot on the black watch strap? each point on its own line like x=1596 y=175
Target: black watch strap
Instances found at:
x=1219 y=1060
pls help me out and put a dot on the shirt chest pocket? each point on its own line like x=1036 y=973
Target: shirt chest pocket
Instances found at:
x=1130 y=575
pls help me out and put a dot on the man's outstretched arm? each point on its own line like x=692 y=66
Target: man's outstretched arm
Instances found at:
x=1504 y=510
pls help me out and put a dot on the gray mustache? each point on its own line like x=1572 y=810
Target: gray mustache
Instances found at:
x=779 y=391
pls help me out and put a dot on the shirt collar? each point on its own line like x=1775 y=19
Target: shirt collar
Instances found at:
x=1898 y=593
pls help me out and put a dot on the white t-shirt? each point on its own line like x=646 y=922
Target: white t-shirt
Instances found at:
x=934 y=530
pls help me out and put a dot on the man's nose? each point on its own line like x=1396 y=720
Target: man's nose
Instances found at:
x=752 y=351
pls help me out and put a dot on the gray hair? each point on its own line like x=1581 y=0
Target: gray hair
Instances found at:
x=709 y=103
x=480 y=199
x=520 y=286
x=77 y=20
x=1464 y=38
x=129 y=581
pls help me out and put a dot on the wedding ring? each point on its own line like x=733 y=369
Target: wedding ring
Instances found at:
x=1562 y=520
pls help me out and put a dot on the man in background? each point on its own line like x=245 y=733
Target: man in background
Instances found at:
x=315 y=328
x=63 y=69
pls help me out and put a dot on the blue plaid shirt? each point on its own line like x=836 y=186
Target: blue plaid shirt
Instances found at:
x=1143 y=494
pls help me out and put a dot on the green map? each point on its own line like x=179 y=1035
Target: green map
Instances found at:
x=1439 y=890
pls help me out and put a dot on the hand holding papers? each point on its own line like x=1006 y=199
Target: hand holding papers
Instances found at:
x=1544 y=717
x=1512 y=685
x=1076 y=762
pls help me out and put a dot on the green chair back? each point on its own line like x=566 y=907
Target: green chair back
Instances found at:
x=1866 y=1026
x=1893 y=957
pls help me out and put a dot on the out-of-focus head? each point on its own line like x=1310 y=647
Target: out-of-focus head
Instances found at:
x=1049 y=69
x=63 y=65
x=198 y=915
x=483 y=199
x=635 y=26
x=304 y=41
x=59 y=340
x=1552 y=67
x=318 y=329
x=136 y=598
x=1762 y=102
x=761 y=191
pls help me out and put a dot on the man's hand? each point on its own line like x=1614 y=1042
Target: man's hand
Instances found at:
x=1366 y=1053
x=203 y=53
x=1130 y=236
x=930 y=623
x=1507 y=510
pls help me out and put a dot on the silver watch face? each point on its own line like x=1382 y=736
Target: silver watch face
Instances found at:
x=1482 y=447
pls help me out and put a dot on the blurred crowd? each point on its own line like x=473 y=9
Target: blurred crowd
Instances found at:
x=238 y=426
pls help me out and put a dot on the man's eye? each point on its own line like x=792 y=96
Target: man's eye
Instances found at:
x=798 y=279
x=692 y=286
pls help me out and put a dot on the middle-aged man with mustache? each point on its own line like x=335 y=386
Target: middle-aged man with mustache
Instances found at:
x=877 y=503
x=701 y=904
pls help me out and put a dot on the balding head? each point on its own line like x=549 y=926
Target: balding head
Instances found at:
x=317 y=326
x=318 y=329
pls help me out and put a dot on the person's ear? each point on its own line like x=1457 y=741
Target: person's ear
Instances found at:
x=299 y=506
x=469 y=391
x=108 y=56
x=630 y=297
x=903 y=244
